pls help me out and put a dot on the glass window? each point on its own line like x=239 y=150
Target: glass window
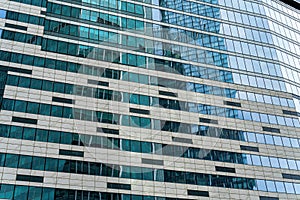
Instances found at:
x=267 y=99
x=283 y=102
x=294 y=142
x=32 y=107
x=35 y=193
x=297 y=188
x=20 y=106
x=269 y=139
x=281 y=120
x=274 y=162
x=125 y=144
x=280 y=186
x=278 y=140
x=248 y=159
x=251 y=96
x=16 y=132
x=275 y=100
x=259 y=98
x=261 y=185
x=265 y=161
x=29 y=133
x=25 y=162
x=24 y=82
x=292 y=164
x=289 y=188
x=255 y=116
x=260 y=138
x=54 y=136
x=243 y=95
x=272 y=119
x=271 y=186
x=251 y=137
x=264 y=118
x=3 y=14
x=6 y=191
x=21 y=192
x=256 y=160
x=289 y=121
x=286 y=142
x=38 y=163
x=283 y=163
x=247 y=115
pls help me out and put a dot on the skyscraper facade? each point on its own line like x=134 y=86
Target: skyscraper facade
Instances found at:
x=149 y=99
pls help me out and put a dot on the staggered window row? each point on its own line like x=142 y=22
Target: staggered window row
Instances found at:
x=242 y=63
x=4 y=14
x=23 y=192
x=100 y=18
x=40 y=3
x=139 y=78
x=20 y=37
x=145 y=45
x=59 y=137
x=184 y=20
x=140 y=61
x=250 y=137
x=146 y=100
x=119 y=5
x=214 y=12
x=142 y=173
x=237 y=78
x=107 y=94
x=183 y=36
x=195 y=71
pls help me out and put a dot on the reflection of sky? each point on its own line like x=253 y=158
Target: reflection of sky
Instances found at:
x=2 y=13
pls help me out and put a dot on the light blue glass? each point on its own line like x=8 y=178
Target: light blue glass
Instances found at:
x=280 y=186
x=289 y=188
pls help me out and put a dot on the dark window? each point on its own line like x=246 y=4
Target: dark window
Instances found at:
x=268 y=198
x=291 y=176
x=171 y=94
x=249 y=148
x=139 y=111
x=198 y=193
x=183 y=140
x=152 y=162
x=230 y=103
x=24 y=120
x=225 y=169
x=102 y=83
x=287 y=112
x=108 y=130
x=273 y=130
x=6 y=68
x=62 y=100
x=16 y=26
x=119 y=186
x=38 y=179
x=209 y=121
x=71 y=153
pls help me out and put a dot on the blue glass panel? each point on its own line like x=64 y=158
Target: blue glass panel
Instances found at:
x=280 y=186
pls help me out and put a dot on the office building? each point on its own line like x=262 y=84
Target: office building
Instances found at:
x=149 y=99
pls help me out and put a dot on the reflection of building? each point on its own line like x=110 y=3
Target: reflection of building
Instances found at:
x=153 y=99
